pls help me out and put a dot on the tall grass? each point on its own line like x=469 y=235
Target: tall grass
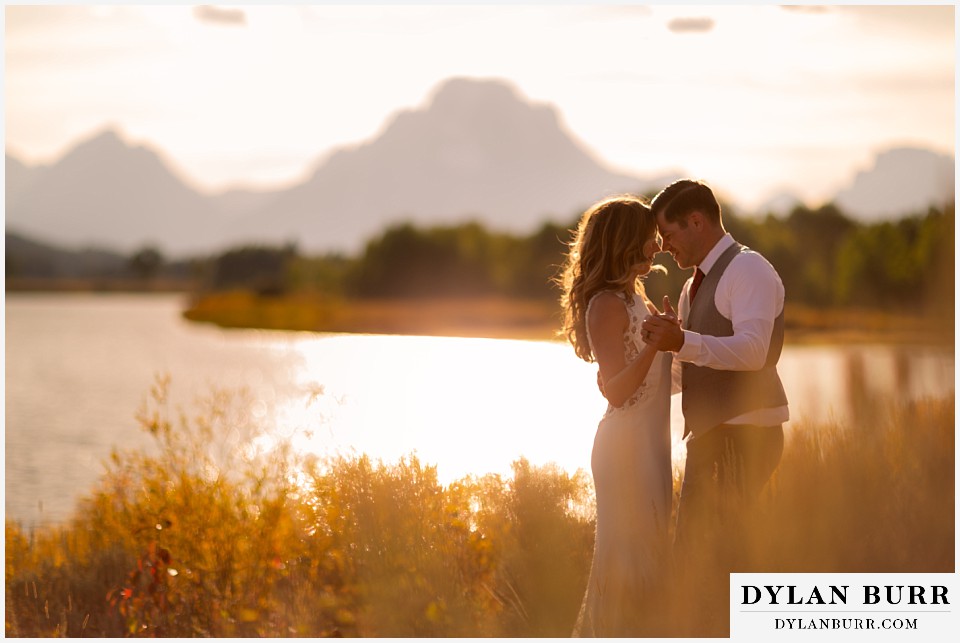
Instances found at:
x=206 y=536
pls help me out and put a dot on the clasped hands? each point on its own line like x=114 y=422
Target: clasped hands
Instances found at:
x=662 y=329
x=659 y=329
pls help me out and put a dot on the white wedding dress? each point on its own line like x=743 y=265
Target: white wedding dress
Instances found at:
x=632 y=473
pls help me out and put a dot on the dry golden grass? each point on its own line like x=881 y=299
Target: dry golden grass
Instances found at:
x=205 y=537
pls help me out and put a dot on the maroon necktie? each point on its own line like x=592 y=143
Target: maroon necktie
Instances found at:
x=697 y=278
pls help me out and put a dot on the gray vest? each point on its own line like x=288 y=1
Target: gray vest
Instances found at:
x=710 y=396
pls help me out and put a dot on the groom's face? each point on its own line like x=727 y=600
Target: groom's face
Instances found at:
x=681 y=241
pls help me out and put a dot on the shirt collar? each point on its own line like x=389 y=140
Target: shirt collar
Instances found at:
x=725 y=242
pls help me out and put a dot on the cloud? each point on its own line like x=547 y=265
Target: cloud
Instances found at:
x=690 y=25
x=220 y=16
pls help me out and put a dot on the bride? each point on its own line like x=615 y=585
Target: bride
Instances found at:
x=604 y=302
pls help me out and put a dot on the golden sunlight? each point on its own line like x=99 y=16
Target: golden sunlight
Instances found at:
x=466 y=404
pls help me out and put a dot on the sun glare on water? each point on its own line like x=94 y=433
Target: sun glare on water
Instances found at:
x=474 y=406
x=469 y=406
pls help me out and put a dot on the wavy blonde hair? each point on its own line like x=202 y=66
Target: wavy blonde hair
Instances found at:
x=608 y=242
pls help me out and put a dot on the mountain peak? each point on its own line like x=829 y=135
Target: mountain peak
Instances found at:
x=472 y=123
x=460 y=91
x=488 y=102
x=108 y=137
x=477 y=148
x=106 y=191
x=106 y=147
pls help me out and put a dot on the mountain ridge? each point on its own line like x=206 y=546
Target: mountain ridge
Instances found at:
x=477 y=150
x=106 y=192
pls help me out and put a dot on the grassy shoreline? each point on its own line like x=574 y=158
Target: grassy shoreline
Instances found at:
x=494 y=317
x=505 y=318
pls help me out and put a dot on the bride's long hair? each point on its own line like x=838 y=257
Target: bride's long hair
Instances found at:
x=608 y=242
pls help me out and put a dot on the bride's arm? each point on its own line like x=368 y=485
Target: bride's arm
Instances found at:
x=608 y=322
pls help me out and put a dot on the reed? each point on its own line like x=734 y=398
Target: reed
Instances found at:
x=206 y=535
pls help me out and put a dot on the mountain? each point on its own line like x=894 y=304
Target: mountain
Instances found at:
x=902 y=181
x=478 y=150
x=19 y=178
x=108 y=193
x=780 y=203
x=239 y=201
x=28 y=258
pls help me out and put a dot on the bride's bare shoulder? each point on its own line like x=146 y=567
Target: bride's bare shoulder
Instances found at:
x=606 y=307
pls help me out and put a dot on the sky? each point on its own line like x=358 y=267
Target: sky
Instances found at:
x=756 y=99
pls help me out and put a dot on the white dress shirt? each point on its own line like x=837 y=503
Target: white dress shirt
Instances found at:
x=749 y=294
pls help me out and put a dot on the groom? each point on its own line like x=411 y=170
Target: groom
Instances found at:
x=728 y=345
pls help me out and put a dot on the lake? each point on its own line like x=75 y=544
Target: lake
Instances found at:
x=78 y=367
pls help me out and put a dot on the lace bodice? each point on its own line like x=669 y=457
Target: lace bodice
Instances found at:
x=632 y=342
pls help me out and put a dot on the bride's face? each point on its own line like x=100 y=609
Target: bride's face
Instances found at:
x=648 y=251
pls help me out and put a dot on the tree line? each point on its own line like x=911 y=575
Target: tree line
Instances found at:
x=824 y=257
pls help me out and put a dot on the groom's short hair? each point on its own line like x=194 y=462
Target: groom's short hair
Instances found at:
x=682 y=197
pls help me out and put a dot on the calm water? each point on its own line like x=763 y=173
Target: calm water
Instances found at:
x=79 y=366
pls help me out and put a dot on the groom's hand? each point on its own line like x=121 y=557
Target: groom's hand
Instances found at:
x=662 y=330
x=668 y=311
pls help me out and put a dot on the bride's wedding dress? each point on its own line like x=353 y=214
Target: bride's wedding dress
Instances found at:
x=632 y=473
